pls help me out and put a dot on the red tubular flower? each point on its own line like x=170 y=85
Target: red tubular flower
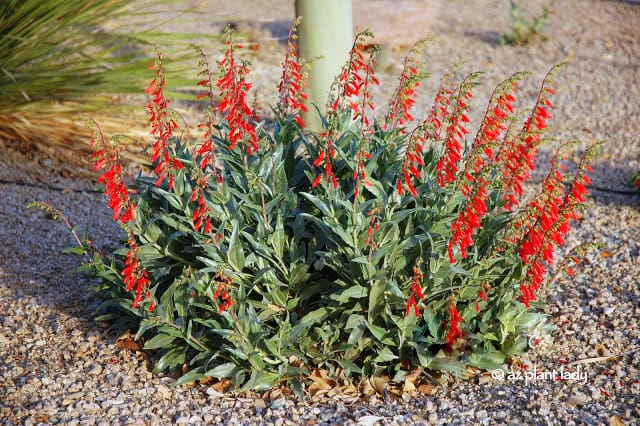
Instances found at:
x=518 y=154
x=206 y=153
x=292 y=83
x=483 y=294
x=134 y=276
x=469 y=219
x=416 y=290
x=454 y=324
x=495 y=122
x=162 y=127
x=412 y=163
x=233 y=91
x=354 y=83
x=222 y=292
x=549 y=223
x=323 y=160
x=374 y=226
x=404 y=97
x=316 y=181
x=108 y=159
x=447 y=166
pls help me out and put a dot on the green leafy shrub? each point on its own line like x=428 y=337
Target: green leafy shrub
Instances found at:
x=524 y=30
x=262 y=251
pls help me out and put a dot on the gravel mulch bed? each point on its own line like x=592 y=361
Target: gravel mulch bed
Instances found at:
x=57 y=366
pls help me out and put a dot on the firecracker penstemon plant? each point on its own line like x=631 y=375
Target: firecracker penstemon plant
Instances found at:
x=257 y=254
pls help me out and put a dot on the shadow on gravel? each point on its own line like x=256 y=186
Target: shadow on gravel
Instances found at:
x=34 y=271
x=489 y=37
x=615 y=188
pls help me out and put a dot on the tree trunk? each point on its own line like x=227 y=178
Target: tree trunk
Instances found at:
x=325 y=37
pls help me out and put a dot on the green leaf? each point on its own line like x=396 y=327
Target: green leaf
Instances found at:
x=349 y=366
x=191 y=376
x=235 y=254
x=256 y=361
x=171 y=359
x=323 y=206
x=297 y=387
x=381 y=334
x=488 y=360
x=376 y=299
x=79 y=250
x=368 y=271
x=277 y=238
x=298 y=275
x=159 y=341
x=227 y=369
x=260 y=381
x=237 y=352
x=316 y=316
x=385 y=355
x=353 y=292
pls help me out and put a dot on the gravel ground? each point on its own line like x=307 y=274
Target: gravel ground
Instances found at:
x=59 y=367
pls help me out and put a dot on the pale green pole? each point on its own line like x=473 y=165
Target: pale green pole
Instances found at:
x=325 y=38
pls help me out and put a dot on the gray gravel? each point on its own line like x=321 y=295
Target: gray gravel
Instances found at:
x=59 y=367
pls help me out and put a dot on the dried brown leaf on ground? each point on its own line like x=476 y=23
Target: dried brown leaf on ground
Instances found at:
x=616 y=421
x=126 y=341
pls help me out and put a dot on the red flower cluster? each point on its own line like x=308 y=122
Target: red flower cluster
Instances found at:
x=134 y=276
x=411 y=165
x=115 y=187
x=429 y=129
x=162 y=126
x=201 y=215
x=473 y=181
x=447 y=166
x=353 y=86
x=222 y=291
x=548 y=223
x=292 y=83
x=207 y=151
x=404 y=97
x=233 y=91
x=482 y=294
x=454 y=323
x=416 y=290
x=374 y=227
x=499 y=111
x=519 y=153
x=324 y=160
x=359 y=174
x=355 y=80
x=469 y=219
x=441 y=105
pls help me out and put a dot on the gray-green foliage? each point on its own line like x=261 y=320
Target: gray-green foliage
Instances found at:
x=307 y=289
